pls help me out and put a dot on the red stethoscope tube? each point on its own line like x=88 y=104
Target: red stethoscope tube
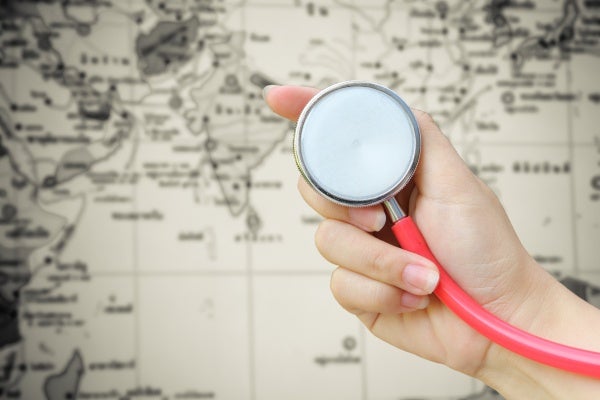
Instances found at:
x=560 y=356
x=544 y=351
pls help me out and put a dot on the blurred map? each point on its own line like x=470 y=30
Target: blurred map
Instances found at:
x=152 y=242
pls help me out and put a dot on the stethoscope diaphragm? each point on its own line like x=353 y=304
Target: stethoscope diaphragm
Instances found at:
x=357 y=143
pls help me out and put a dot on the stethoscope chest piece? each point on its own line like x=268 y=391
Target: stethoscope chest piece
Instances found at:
x=357 y=143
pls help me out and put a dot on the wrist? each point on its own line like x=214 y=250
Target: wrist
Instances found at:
x=554 y=313
x=516 y=377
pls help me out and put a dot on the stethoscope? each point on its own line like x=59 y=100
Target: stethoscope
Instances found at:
x=358 y=144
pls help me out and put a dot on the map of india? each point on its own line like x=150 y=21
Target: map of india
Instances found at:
x=153 y=244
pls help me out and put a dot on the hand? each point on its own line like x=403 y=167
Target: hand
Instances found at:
x=470 y=235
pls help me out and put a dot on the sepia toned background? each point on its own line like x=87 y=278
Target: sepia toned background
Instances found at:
x=152 y=241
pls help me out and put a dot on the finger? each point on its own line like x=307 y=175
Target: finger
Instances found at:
x=358 y=251
x=442 y=174
x=370 y=219
x=359 y=294
x=288 y=101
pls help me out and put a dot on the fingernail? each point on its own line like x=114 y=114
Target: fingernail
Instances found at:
x=266 y=90
x=423 y=279
x=410 y=300
x=370 y=219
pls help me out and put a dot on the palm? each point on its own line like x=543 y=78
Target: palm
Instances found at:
x=436 y=333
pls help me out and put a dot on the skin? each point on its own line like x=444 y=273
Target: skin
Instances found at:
x=469 y=233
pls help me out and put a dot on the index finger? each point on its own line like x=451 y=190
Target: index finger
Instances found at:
x=288 y=101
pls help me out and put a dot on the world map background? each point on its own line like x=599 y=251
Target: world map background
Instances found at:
x=152 y=241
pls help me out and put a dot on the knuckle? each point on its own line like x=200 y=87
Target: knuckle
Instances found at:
x=324 y=235
x=380 y=261
x=338 y=287
x=335 y=283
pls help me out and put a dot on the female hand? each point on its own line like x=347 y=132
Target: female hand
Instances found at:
x=470 y=235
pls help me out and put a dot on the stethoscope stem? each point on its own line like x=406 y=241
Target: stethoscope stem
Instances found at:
x=394 y=211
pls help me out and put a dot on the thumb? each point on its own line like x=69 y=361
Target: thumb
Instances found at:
x=442 y=175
